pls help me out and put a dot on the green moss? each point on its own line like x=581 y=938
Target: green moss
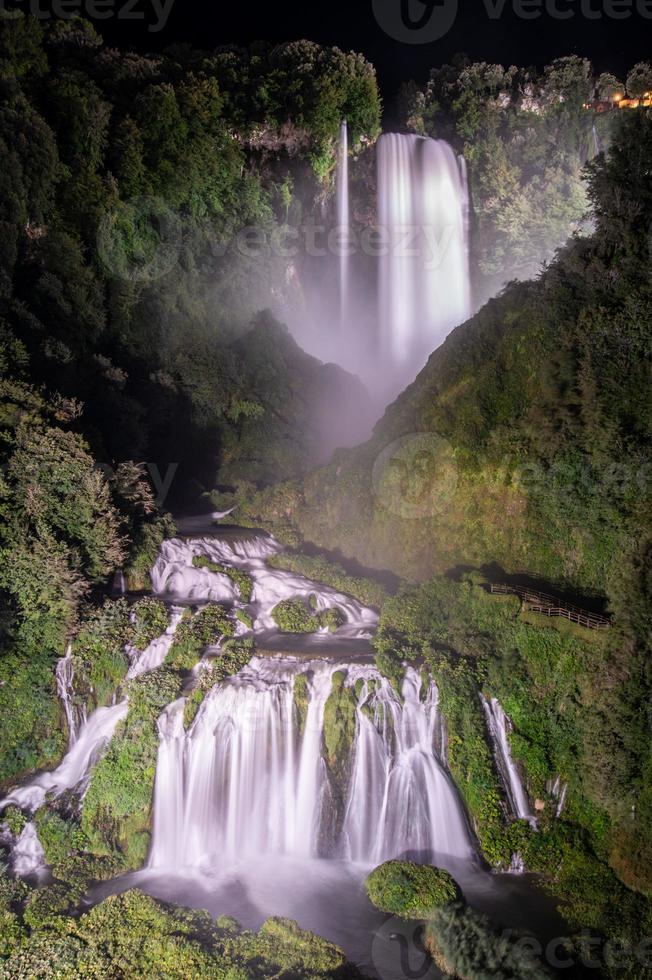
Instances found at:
x=245 y=618
x=294 y=616
x=116 y=816
x=238 y=576
x=410 y=890
x=194 y=633
x=338 y=736
x=15 y=820
x=150 y=620
x=301 y=699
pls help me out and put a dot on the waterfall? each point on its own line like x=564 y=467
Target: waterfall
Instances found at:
x=343 y=219
x=424 y=273
x=249 y=779
x=64 y=676
x=174 y=575
x=155 y=653
x=91 y=739
x=499 y=727
x=27 y=854
x=119 y=585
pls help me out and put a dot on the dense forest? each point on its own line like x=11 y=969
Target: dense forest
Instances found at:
x=143 y=369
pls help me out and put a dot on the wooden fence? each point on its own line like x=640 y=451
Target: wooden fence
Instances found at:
x=549 y=605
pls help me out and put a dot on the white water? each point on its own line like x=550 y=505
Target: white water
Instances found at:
x=27 y=854
x=174 y=575
x=499 y=728
x=64 y=676
x=343 y=219
x=424 y=276
x=155 y=653
x=92 y=737
x=244 y=782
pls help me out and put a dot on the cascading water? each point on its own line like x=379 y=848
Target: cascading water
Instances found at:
x=499 y=727
x=64 y=676
x=249 y=779
x=343 y=219
x=424 y=274
x=92 y=737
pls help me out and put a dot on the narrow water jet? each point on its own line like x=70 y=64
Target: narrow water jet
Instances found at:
x=499 y=728
x=343 y=221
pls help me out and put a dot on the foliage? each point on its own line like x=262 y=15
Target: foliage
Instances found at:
x=116 y=815
x=134 y=935
x=464 y=944
x=525 y=136
x=338 y=735
x=412 y=891
x=295 y=616
x=234 y=654
x=195 y=632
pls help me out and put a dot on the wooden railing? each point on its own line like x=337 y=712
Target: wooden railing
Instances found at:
x=549 y=605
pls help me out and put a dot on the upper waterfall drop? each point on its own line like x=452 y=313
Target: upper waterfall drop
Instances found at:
x=423 y=277
x=343 y=219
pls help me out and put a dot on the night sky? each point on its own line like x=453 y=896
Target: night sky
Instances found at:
x=612 y=44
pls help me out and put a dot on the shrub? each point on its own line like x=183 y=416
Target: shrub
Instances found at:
x=412 y=891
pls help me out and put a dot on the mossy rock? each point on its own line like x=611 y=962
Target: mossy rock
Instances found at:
x=331 y=619
x=301 y=699
x=245 y=618
x=409 y=890
x=295 y=616
x=15 y=820
x=338 y=737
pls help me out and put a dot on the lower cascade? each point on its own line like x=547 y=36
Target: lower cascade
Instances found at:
x=305 y=759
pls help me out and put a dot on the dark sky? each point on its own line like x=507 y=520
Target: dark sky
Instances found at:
x=591 y=30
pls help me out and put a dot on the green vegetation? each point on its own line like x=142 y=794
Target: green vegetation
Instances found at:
x=338 y=736
x=234 y=655
x=194 y=633
x=567 y=713
x=410 y=890
x=134 y=935
x=238 y=576
x=464 y=944
x=301 y=700
x=245 y=618
x=525 y=135
x=116 y=815
x=297 y=616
